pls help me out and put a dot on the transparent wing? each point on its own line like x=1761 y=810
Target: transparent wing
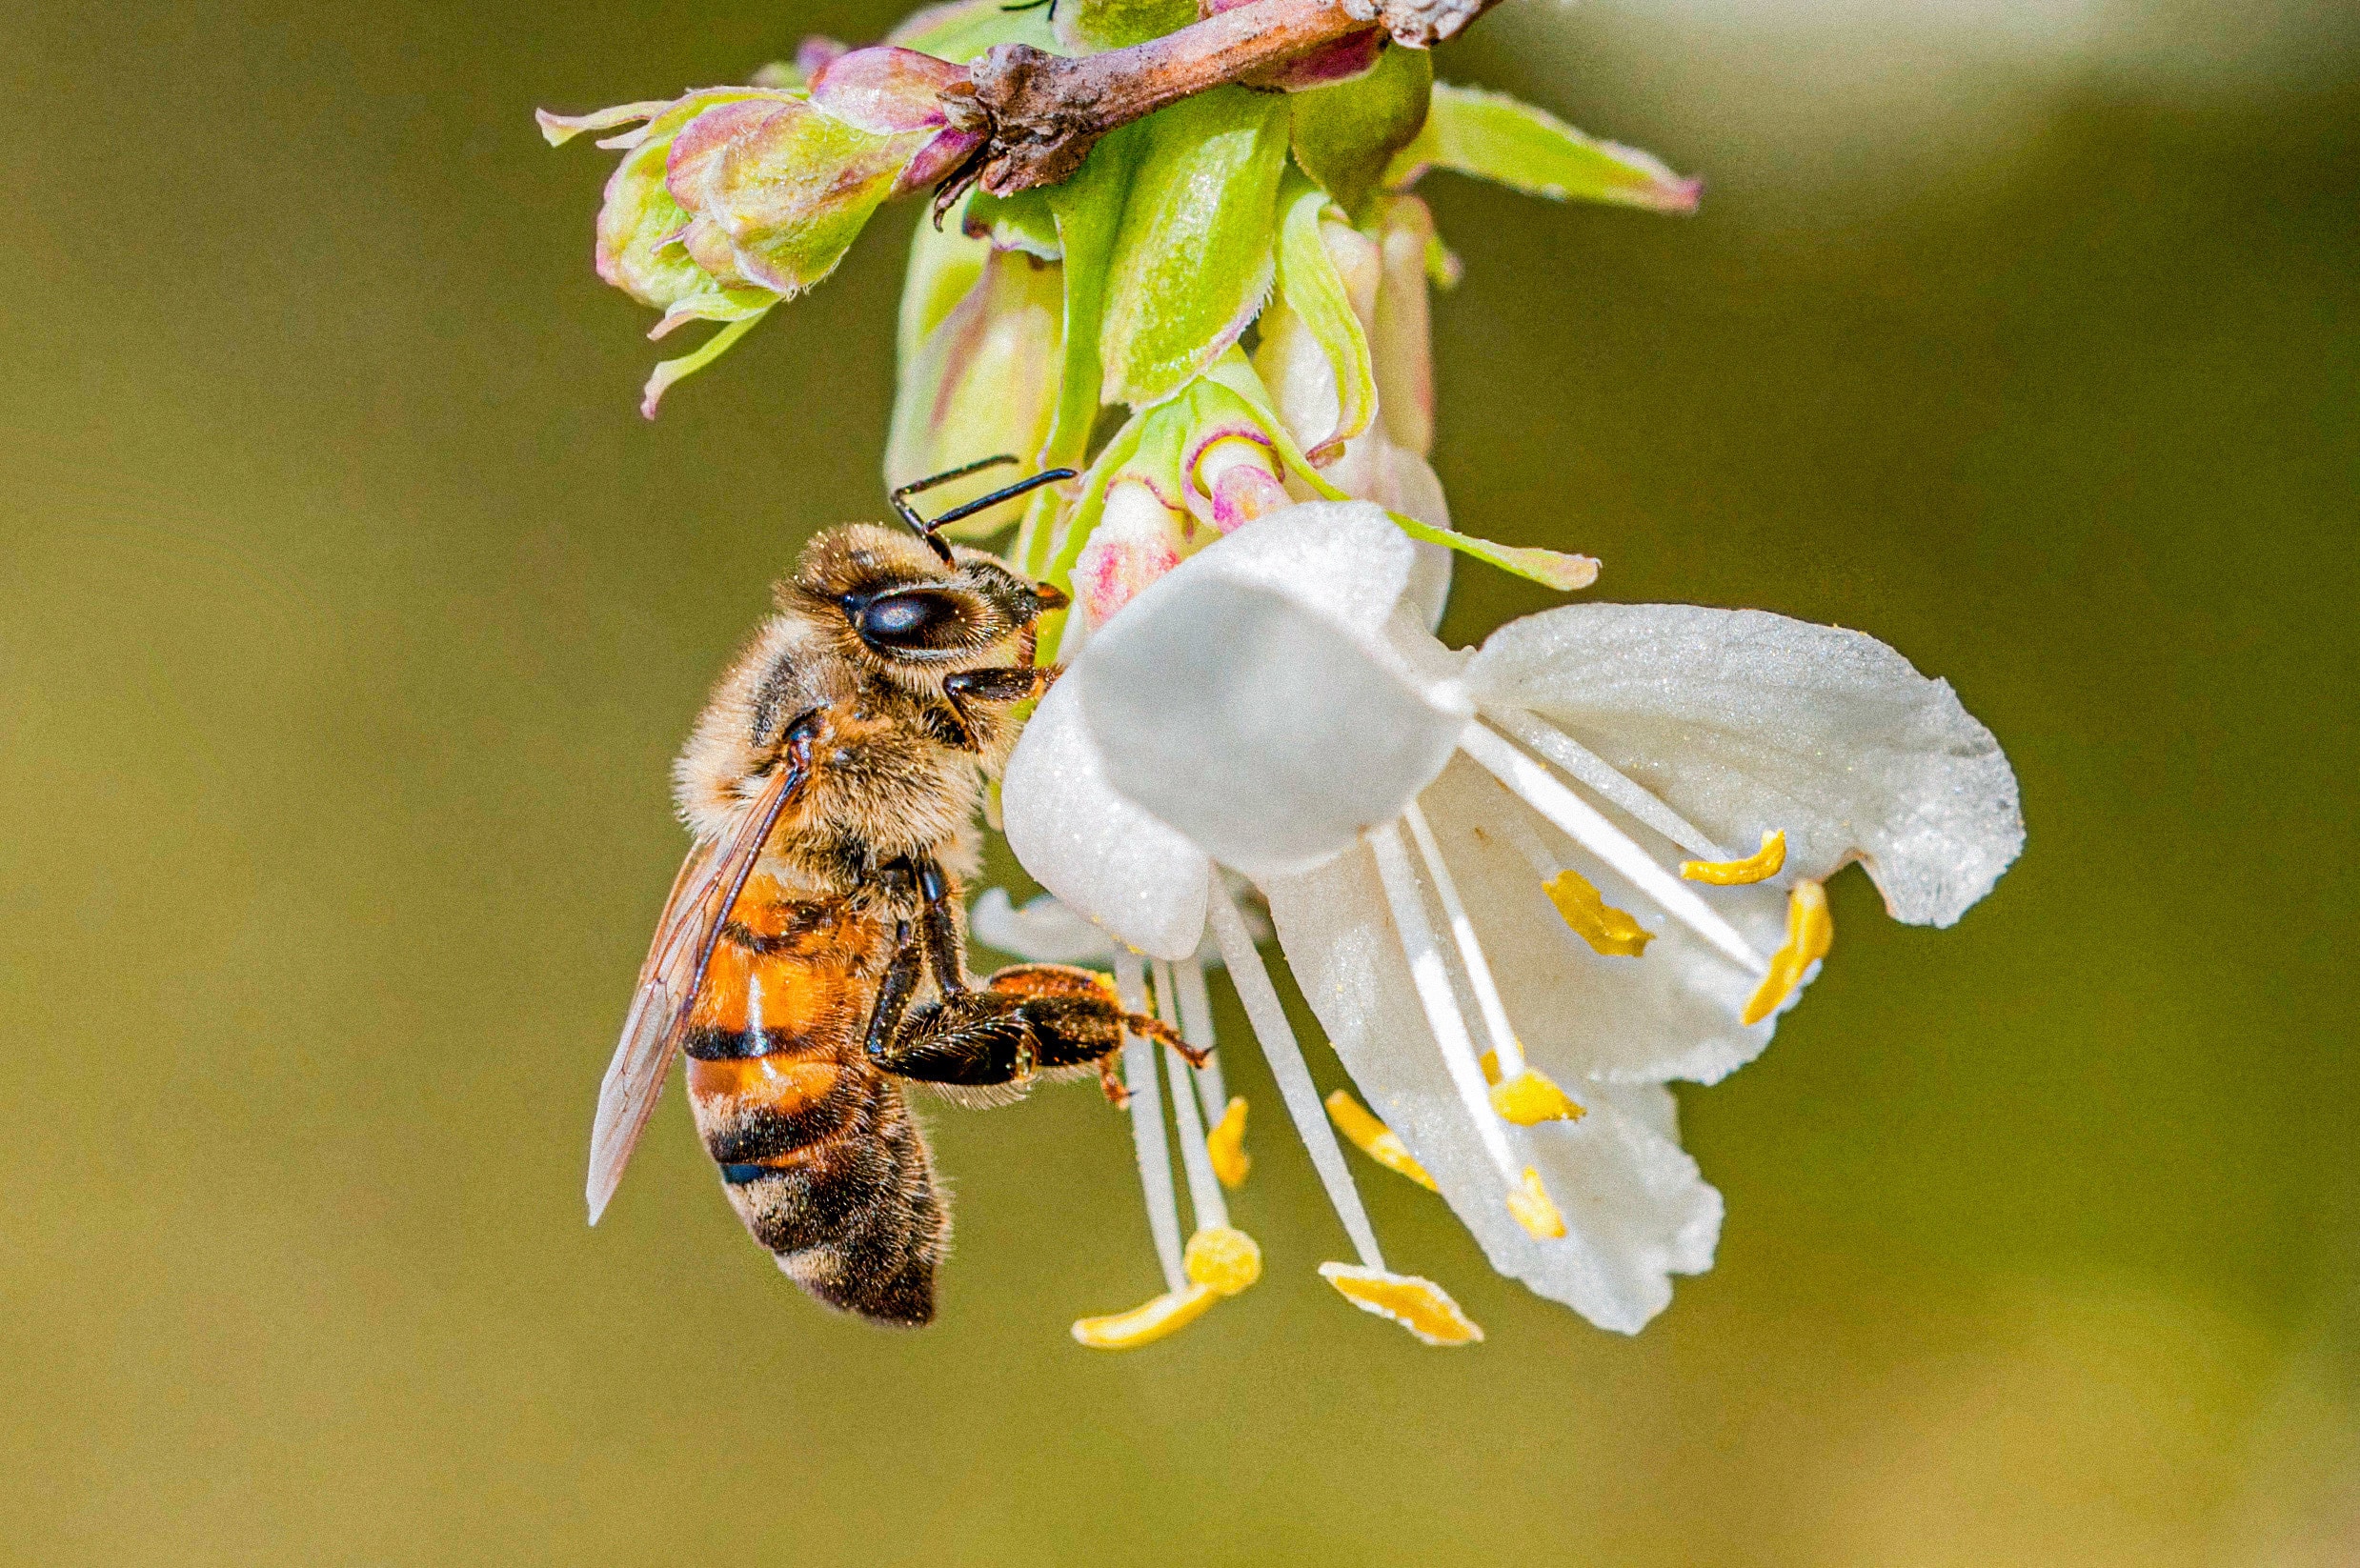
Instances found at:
x=703 y=896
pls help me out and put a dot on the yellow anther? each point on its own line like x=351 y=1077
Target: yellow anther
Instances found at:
x=1375 y=1139
x=1224 y=1259
x=1534 y=1210
x=1763 y=863
x=1608 y=930
x=1226 y=1144
x=1419 y=1306
x=1810 y=932
x=1531 y=1098
x=1490 y=1064
x=1145 y=1325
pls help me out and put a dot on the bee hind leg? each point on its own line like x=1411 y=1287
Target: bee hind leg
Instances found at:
x=1022 y=1021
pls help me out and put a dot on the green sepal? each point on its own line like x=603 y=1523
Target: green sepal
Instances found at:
x=944 y=264
x=1314 y=293
x=670 y=372
x=1088 y=209
x=1193 y=260
x=638 y=220
x=1344 y=135
x=1493 y=137
x=1022 y=222
x=794 y=194
x=1549 y=568
x=967 y=29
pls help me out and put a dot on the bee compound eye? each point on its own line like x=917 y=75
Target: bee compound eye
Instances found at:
x=917 y=619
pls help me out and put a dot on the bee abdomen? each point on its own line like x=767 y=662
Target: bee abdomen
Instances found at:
x=853 y=1216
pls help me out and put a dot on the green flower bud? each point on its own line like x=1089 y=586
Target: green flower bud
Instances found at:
x=1344 y=135
x=982 y=381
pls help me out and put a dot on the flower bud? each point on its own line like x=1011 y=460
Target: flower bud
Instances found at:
x=982 y=381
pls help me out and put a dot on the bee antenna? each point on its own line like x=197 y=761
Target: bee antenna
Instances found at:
x=925 y=529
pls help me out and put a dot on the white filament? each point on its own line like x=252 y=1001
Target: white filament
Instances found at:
x=1590 y=828
x=1608 y=780
x=1505 y=1049
x=1155 y=1157
x=1286 y=1065
x=1205 y=1203
x=1431 y=976
x=1196 y=1021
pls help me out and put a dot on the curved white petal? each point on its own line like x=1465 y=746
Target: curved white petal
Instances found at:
x=1097 y=851
x=1045 y=931
x=1345 y=559
x=1743 y=721
x=1636 y=1209
x=1267 y=730
x=1671 y=1012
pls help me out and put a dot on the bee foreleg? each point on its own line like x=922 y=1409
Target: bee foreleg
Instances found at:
x=1014 y=684
x=892 y=993
x=937 y=929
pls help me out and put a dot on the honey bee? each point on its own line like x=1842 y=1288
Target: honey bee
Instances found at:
x=809 y=960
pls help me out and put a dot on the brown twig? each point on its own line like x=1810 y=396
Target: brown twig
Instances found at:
x=1043 y=112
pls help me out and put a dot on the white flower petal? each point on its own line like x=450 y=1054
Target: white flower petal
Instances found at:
x=1344 y=558
x=1670 y=1013
x=1045 y=931
x=1744 y=721
x=1635 y=1207
x=1093 y=849
x=1268 y=732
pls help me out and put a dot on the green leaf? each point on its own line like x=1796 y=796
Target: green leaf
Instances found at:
x=1344 y=135
x=1193 y=260
x=1088 y=209
x=1493 y=137
x=1314 y=299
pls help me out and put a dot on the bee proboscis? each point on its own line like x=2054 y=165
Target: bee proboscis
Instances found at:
x=809 y=958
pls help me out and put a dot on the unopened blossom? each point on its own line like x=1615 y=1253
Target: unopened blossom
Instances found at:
x=1524 y=886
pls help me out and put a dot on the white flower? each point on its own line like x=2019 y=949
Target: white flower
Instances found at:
x=1470 y=851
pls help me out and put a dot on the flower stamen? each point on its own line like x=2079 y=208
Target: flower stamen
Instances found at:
x=1617 y=788
x=1529 y=1095
x=1431 y=977
x=1147 y=1140
x=1611 y=933
x=1225 y=1144
x=1760 y=866
x=1419 y=1306
x=1590 y=828
x=1375 y=1139
x=1811 y=930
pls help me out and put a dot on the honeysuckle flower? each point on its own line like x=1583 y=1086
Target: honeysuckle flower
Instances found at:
x=1534 y=853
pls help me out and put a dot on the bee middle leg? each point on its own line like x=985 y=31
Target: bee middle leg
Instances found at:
x=1021 y=1022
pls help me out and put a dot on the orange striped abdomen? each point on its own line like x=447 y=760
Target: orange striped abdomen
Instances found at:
x=817 y=1151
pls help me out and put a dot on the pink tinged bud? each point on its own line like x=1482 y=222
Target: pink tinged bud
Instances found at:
x=813 y=54
x=1232 y=478
x=1346 y=59
x=938 y=159
x=789 y=186
x=1138 y=539
x=885 y=90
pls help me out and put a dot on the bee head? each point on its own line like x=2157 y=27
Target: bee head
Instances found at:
x=895 y=606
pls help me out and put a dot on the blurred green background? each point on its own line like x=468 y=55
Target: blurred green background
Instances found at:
x=350 y=616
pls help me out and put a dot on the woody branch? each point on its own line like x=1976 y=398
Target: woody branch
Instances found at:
x=1044 y=112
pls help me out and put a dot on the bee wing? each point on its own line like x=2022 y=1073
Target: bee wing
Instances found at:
x=703 y=896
